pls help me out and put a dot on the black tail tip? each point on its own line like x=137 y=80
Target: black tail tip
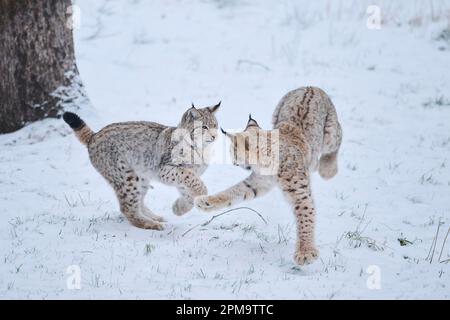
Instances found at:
x=73 y=120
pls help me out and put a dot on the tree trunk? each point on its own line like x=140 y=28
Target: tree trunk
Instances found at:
x=36 y=60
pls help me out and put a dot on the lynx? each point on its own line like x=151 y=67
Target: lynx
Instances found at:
x=131 y=154
x=309 y=136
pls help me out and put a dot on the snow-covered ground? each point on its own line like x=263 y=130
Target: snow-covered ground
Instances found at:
x=148 y=60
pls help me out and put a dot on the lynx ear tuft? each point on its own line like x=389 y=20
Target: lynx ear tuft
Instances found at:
x=252 y=122
x=215 y=108
x=193 y=113
x=229 y=135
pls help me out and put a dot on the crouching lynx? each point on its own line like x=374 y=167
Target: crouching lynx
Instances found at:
x=131 y=154
x=309 y=136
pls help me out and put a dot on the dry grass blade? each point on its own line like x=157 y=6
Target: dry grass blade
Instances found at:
x=221 y=214
x=433 y=244
x=443 y=245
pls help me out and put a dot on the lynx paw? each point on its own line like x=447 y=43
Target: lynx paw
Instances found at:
x=208 y=203
x=149 y=214
x=202 y=203
x=182 y=206
x=328 y=172
x=152 y=225
x=158 y=218
x=328 y=166
x=306 y=256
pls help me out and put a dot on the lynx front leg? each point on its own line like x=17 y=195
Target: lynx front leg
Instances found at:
x=296 y=187
x=183 y=204
x=187 y=182
x=253 y=186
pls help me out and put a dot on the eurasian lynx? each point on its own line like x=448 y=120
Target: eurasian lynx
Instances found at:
x=130 y=154
x=309 y=136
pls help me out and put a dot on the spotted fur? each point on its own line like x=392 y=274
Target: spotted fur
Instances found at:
x=130 y=155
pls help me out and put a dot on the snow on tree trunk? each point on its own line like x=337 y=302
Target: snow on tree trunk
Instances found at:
x=38 y=73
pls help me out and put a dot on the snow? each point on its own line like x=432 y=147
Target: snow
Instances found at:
x=148 y=60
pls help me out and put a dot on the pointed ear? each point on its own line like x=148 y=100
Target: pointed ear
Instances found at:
x=215 y=108
x=194 y=113
x=229 y=135
x=252 y=122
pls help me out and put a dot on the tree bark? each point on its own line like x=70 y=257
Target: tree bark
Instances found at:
x=36 y=58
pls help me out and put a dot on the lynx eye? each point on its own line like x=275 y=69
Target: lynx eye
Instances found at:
x=205 y=128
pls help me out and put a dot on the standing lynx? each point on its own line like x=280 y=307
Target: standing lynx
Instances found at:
x=309 y=136
x=131 y=154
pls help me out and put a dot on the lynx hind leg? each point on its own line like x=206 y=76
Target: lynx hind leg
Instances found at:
x=130 y=192
x=332 y=138
x=145 y=210
x=296 y=188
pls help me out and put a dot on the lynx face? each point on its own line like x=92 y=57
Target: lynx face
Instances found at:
x=201 y=125
x=253 y=149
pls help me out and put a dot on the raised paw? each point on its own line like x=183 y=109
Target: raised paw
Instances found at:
x=209 y=203
x=306 y=256
x=328 y=172
x=328 y=166
x=182 y=206
x=202 y=203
